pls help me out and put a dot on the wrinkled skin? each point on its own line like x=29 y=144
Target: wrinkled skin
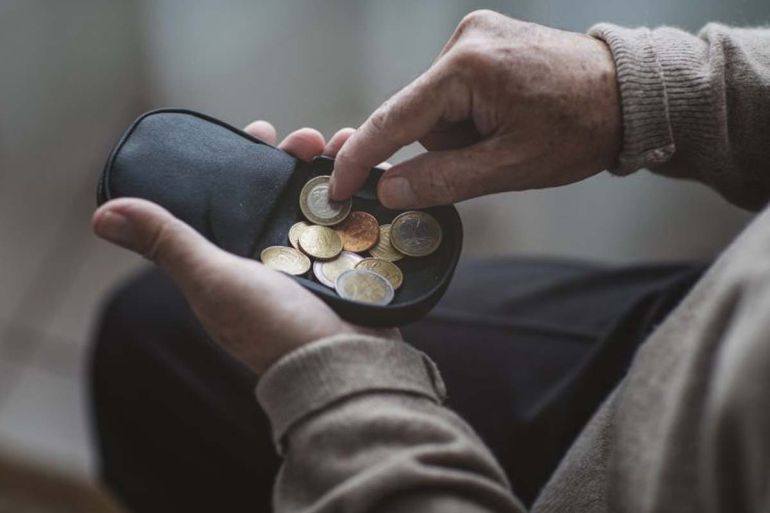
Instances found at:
x=507 y=105
x=254 y=313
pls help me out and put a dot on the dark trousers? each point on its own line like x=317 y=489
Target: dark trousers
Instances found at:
x=528 y=350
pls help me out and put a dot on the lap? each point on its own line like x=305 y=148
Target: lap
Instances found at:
x=527 y=348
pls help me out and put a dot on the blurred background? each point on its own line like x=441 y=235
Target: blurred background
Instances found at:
x=73 y=74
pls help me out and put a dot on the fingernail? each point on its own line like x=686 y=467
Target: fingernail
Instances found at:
x=116 y=228
x=397 y=192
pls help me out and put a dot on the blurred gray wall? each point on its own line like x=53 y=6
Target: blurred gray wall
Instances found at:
x=328 y=64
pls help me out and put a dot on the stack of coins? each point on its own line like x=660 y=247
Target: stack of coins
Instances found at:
x=336 y=238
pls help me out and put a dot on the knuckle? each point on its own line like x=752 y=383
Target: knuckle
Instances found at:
x=476 y=19
x=380 y=117
x=159 y=243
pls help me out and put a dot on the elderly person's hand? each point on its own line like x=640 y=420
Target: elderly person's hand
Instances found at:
x=507 y=105
x=253 y=312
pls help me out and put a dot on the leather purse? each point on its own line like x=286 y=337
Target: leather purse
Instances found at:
x=242 y=194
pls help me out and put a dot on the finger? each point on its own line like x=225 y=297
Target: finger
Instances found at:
x=403 y=119
x=304 y=143
x=262 y=130
x=437 y=178
x=336 y=142
x=151 y=231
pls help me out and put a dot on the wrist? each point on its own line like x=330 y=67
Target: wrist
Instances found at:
x=610 y=125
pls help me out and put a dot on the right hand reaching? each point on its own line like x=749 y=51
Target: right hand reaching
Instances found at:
x=507 y=105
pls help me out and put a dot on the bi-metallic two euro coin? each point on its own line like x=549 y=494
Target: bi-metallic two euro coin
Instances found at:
x=415 y=233
x=317 y=207
x=364 y=286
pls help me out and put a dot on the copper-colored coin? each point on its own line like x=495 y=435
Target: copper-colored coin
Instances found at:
x=359 y=231
x=288 y=260
x=320 y=242
x=294 y=233
x=384 y=249
x=387 y=270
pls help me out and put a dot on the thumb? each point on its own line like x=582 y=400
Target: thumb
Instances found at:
x=150 y=230
x=436 y=178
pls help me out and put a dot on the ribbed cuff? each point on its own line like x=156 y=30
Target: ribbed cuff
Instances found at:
x=647 y=136
x=321 y=373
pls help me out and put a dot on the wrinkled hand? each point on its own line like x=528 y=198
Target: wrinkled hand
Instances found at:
x=507 y=105
x=253 y=312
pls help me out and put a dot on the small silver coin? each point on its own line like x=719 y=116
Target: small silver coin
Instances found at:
x=364 y=286
x=328 y=271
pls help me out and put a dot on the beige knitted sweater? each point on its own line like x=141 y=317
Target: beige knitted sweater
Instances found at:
x=359 y=420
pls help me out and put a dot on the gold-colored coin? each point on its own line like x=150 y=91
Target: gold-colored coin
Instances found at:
x=387 y=270
x=384 y=250
x=415 y=233
x=317 y=207
x=288 y=260
x=364 y=286
x=320 y=242
x=294 y=232
x=328 y=271
x=359 y=231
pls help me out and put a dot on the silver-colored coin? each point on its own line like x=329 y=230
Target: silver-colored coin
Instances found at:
x=364 y=286
x=317 y=207
x=285 y=259
x=328 y=271
x=415 y=233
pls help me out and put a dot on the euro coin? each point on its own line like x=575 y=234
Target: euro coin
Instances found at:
x=328 y=271
x=317 y=207
x=320 y=242
x=359 y=231
x=364 y=286
x=294 y=232
x=415 y=233
x=387 y=270
x=384 y=250
x=288 y=260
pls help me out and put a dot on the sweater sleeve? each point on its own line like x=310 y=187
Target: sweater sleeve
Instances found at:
x=360 y=425
x=696 y=106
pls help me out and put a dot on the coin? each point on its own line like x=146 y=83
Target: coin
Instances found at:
x=328 y=271
x=387 y=270
x=317 y=207
x=359 y=231
x=383 y=249
x=288 y=260
x=320 y=242
x=415 y=233
x=364 y=286
x=294 y=232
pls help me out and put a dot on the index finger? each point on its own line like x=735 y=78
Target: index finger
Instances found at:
x=402 y=120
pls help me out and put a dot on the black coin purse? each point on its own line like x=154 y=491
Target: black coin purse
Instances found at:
x=243 y=195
